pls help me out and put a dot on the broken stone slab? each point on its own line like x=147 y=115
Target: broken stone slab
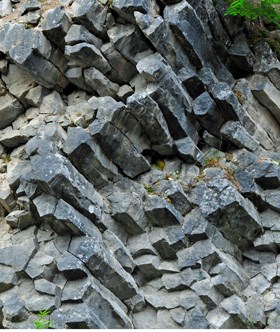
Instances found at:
x=161 y=36
x=167 y=241
x=119 y=148
x=57 y=177
x=46 y=287
x=20 y=219
x=240 y=53
x=188 y=150
x=95 y=166
x=92 y=15
x=272 y=198
x=30 y=50
x=79 y=34
x=55 y=25
x=100 y=83
x=117 y=247
x=8 y=278
x=161 y=213
x=128 y=41
x=266 y=93
x=10 y=109
x=71 y=267
x=189 y=30
x=148 y=113
x=126 y=9
x=87 y=55
x=122 y=70
x=238 y=135
x=128 y=211
x=98 y=259
x=208 y=114
x=220 y=210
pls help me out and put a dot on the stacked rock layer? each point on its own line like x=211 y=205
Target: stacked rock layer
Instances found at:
x=140 y=166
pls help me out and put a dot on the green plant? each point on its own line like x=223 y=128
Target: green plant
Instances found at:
x=267 y=10
x=41 y=322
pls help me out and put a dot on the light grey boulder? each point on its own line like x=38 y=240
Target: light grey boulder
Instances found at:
x=10 y=109
x=8 y=278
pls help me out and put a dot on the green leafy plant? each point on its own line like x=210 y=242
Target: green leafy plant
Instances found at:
x=267 y=10
x=42 y=322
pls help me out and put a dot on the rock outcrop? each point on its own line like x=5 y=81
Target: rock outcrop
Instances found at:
x=139 y=166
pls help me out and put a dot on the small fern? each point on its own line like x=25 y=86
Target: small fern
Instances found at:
x=41 y=322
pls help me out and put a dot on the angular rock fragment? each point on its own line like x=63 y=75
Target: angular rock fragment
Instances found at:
x=55 y=25
x=10 y=109
x=20 y=219
x=161 y=213
x=91 y=14
x=8 y=278
x=104 y=266
x=71 y=267
x=79 y=34
x=188 y=150
x=126 y=9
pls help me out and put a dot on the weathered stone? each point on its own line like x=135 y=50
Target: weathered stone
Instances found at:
x=87 y=55
x=95 y=166
x=7 y=199
x=128 y=211
x=79 y=34
x=240 y=54
x=41 y=266
x=100 y=83
x=161 y=36
x=98 y=260
x=145 y=319
x=128 y=41
x=122 y=70
x=20 y=219
x=10 y=109
x=149 y=265
x=13 y=138
x=55 y=25
x=188 y=150
x=58 y=177
x=71 y=267
x=238 y=135
x=161 y=213
x=119 y=148
x=147 y=112
x=30 y=50
x=218 y=318
x=272 y=198
x=46 y=287
x=126 y=9
x=14 y=309
x=140 y=245
x=195 y=319
x=266 y=93
x=8 y=278
x=259 y=283
x=35 y=95
x=91 y=14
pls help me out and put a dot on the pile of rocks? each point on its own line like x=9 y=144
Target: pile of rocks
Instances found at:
x=139 y=161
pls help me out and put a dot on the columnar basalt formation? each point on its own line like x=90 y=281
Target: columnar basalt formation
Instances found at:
x=139 y=166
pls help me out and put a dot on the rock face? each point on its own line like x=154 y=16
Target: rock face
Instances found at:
x=139 y=167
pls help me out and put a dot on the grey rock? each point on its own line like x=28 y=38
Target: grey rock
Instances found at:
x=8 y=278
x=195 y=319
x=147 y=112
x=266 y=93
x=13 y=138
x=140 y=245
x=35 y=95
x=188 y=28
x=52 y=104
x=126 y=9
x=259 y=283
x=161 y=213
x=218 y=318
x=272 y=199
x=20 y=219
x=29 y=6
x=238 y=135
x=41 y=266
x=240 y=53
x=146 y=318
x=87 y=55
x=161 y=36
x=37 y=302
x=192 y=82
x=124 y=92
x=122 y=70
x=79 y=34
x=30 y=50
x=164 y=320
x=188 y=150
x=91 y=14
x=7 y=199
x=270 y=220
x=71 y=267
x=55 y=25
x=208 y=114
x=95 y=166
x=76 y=76
x=100 y=83
x=14 y=309
x=10 y=109
x=117 y=247
x=98 y=260
x=266 y=173
x=46 y=287
x=149 y=265
x=128 y=41
x=5 y=8
x=266 y=242
x=57 y=176
x=119 y=148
